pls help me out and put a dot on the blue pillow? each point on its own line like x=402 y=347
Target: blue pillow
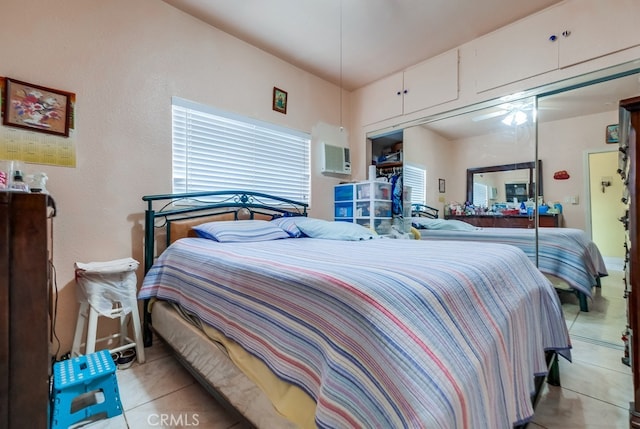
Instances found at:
x=451 y=225
x=288 y=224
x=239 y=231
x=319 y=228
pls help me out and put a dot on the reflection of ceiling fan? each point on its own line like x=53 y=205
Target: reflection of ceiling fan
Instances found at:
x=511 y=113
x=517 y=113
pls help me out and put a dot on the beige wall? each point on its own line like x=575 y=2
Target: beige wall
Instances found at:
x=124 y=60
x=426 y=149
x=562 y=145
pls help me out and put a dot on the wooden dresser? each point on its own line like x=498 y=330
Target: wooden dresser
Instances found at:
x=510 y=221
x=24 y=309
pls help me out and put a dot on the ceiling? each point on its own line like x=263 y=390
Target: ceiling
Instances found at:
x=587 y=100
x=356 y=42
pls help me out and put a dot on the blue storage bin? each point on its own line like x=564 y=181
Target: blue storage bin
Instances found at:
x=343 y=193
x=344 y=219
x=343 y=210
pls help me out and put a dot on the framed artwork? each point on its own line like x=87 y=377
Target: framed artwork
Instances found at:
x=612 y=133
x=441 y=186
x=36 y=108
x=279 y=100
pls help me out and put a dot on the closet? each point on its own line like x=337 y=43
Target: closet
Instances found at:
x=25 y=222
x=388 y=157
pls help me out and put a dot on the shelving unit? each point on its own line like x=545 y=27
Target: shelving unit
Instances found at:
x=365 y=203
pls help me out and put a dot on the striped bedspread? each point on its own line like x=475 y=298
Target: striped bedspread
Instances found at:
x=381 y=333
x=563 y=252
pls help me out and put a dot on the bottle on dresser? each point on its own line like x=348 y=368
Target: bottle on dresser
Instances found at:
x=18 y=182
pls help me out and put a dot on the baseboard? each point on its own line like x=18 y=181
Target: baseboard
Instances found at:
x=613 y=264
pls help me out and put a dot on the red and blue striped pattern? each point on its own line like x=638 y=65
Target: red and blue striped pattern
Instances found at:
x=381 y=333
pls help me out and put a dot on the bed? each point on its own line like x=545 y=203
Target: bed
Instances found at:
x=361 y=330
x=565 y=253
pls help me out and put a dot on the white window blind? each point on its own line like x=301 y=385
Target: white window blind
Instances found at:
x=415 y=177
x=480 y=195
x=215 y=150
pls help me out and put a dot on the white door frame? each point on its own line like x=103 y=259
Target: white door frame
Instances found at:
x=587 y=187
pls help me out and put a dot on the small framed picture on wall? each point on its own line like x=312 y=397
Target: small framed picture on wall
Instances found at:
x=279 y=100
x=441 y=186
x=612 y=133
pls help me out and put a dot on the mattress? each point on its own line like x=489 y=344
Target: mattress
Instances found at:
x=387 y=333
x=562 y=252
x=214 y=367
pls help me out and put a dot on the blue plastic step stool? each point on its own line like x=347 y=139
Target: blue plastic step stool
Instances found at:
x=78 y=378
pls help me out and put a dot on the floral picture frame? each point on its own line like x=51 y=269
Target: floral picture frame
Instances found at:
x=36 y=108
x=279 y=100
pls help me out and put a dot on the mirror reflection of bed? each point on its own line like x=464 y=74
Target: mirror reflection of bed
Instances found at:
x=566 y=255
x=570 y=127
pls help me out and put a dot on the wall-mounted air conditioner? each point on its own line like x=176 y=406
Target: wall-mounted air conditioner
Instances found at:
x=493 y=193
x=335 y=159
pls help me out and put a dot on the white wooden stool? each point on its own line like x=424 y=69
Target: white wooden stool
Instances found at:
x=107 y=289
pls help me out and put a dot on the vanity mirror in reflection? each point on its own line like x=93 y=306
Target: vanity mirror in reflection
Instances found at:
x=503 y=184
x=505 y=196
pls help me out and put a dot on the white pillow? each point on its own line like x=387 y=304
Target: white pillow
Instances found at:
x=241 y=230
x=288 y=224
x=451 y=225
x=319 y=228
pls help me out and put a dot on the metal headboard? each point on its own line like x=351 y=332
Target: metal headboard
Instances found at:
x=170 y=207
x=422 y=210
x=163 y=209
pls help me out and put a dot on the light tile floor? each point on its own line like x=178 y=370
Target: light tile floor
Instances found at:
x=595 y=393
x=596 y=387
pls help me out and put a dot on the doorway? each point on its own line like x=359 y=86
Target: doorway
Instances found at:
x=605 y=206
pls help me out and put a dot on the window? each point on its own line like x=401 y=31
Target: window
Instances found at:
x=216 y=151
x=480 y=195
x=416 y=178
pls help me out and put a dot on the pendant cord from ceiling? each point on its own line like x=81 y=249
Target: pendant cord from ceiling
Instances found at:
x=341 y=126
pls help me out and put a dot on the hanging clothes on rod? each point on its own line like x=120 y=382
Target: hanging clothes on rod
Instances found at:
x=388 y=172
x=396 y=194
